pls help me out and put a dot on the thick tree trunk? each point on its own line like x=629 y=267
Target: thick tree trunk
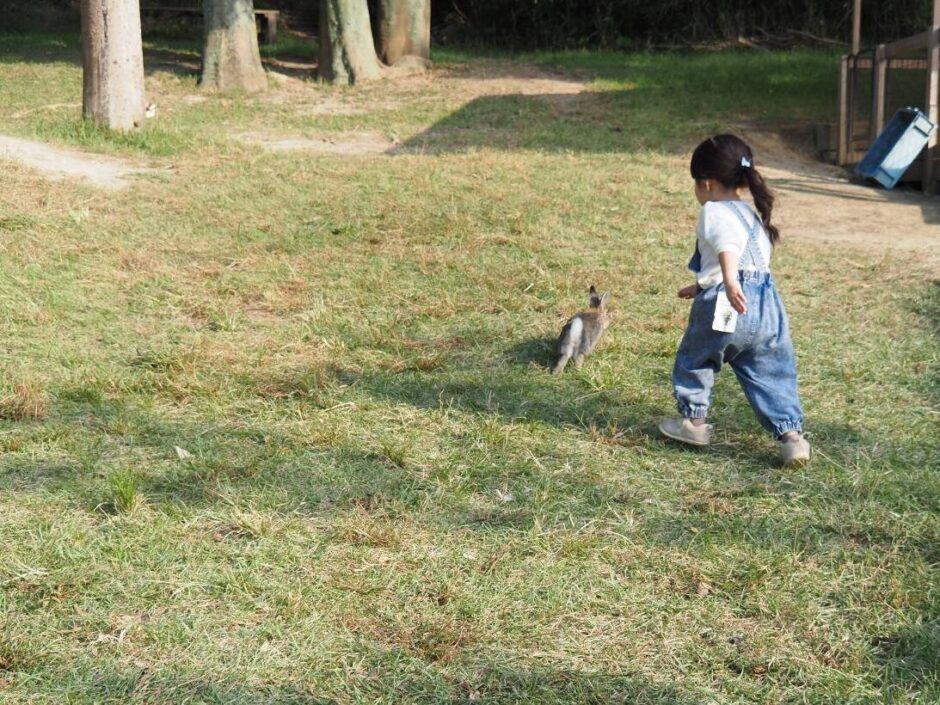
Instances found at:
x=347 y=52
x=230 y=56
x=404 y=29
x=113 y=63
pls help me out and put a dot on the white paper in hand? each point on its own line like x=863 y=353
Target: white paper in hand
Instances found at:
x=726 y=318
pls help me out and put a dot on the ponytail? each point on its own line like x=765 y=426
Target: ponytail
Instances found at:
x=763 y=199
x=729 y=160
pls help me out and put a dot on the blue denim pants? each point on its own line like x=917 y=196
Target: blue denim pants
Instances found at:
x=759 y=351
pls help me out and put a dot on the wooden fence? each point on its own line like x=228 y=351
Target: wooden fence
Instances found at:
x=867 y=77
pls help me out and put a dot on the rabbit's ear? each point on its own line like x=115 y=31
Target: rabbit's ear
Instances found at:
x=604 y=299
x=593 y=300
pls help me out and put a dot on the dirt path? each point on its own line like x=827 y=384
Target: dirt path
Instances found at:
x=347 y=143
x=818 y=202
x=57 y=162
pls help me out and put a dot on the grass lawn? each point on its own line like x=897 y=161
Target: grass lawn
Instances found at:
x=277 y=427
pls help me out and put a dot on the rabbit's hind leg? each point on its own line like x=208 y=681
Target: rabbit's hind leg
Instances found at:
x=562 y=361
x=584 y=349
x=568 y=343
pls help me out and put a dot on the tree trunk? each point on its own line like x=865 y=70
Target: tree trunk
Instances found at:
x=113 y=64
x=404 y=29
x=347 y=52
x=230 y=56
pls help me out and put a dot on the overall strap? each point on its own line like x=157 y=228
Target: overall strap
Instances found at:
x=752 y=248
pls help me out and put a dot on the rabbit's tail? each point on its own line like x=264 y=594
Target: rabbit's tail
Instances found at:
x=569 y=343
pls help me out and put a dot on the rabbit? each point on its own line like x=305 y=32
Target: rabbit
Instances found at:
x=582 y=332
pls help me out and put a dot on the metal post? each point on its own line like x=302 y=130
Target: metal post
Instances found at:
x=857 y=26
x=879 y=76
x=845 y=117
x=932 y=153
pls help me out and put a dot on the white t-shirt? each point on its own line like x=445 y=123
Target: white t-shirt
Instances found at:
x=719 y=230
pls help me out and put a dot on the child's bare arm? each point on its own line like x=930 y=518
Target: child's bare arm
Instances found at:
x=729 y=272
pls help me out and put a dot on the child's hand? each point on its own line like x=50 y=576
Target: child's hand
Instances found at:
x=729 y=273
x=688 y=292
x=736 y=296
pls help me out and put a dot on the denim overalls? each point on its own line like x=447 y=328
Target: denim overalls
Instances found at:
x=759 y=350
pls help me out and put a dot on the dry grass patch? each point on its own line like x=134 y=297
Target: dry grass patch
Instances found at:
x=300 y=375
x=24 y=401
x=344 y=144
x=364 y=529
x=438 y=638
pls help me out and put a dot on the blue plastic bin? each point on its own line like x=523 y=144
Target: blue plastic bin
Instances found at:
x=896 y=147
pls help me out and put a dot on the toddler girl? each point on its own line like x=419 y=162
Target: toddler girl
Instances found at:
x=737 y=315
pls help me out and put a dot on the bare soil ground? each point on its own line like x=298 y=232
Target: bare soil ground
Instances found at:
x=59 y=163
x=347 y=143
x=820 y=202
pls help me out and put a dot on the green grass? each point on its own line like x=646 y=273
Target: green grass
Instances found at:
x=382 y=494
x=292 y=45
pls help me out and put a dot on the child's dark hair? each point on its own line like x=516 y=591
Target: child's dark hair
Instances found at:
x=728 y=160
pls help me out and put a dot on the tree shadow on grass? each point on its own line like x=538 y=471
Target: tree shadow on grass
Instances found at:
x=634 y=104
x=263 y=467
x=260 y=467
x=909 y=659
x=182 y=63
x=716 y=516
x=580 y=122
x=41 y=48
x=181 y=58
x=187 y=63
x=595 y=122
x=532 y=396
x=391 y=675
x=610 y=415
x=930 y=311
x=541 y=351
x=63 y=47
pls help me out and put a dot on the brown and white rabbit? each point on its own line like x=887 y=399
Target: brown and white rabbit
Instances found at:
x=582 y=332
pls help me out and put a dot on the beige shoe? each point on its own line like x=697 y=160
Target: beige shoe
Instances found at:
x=794 y=452
x=682 y=429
